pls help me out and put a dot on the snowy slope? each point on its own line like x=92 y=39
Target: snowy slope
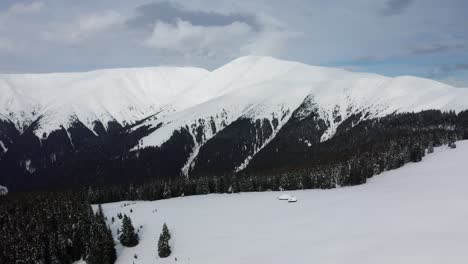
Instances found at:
x=262 y=86
x=267 y=88
x=256 y=88
x=415 y=214
x=122 y=95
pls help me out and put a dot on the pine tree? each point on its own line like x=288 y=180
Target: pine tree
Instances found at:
x=164 y=249
x=128 y=237
x=430 y=149
x=167 y=193
x=203 y=186
x=417 y=153
x=110 y=256
x=452 y=144
x=101 y=247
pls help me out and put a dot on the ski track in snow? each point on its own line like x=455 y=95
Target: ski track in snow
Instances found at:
x=416 y=214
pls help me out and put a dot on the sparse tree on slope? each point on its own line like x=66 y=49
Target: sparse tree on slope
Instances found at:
x=128 y=237
x=164 y=249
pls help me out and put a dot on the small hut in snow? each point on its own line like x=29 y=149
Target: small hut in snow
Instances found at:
x=287 y=197
x=284 y=196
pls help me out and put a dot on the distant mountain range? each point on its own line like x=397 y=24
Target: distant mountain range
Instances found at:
x=251 y=115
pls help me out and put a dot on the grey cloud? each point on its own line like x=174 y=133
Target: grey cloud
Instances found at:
x=435 y=48
x=421 y=36
x=456 y=82
x=461 y=67
x=169 y=12
x=453 y=68
x=444 y=71
x=429 y=49
x=395 y=7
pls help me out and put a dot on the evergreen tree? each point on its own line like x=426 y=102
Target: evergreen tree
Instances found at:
x=110 y=256
x=452 y=144
x=164 y=249
x=128 y=237
x=167 y=193
x=417 y=153
x=203 y=186
x=101 y=244
x=430 y=149
x=58 y=228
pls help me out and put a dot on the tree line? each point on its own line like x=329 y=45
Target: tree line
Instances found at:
x=61 y=228
x=53 y=228
x=356 y=153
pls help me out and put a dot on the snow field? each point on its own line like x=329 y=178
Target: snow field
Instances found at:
x=415 y=214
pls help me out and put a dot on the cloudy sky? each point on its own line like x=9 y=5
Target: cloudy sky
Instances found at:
x=427 y=38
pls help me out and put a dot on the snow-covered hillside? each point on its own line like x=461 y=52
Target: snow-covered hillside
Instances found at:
x=264 y=87
x=416 y=214
x=261 y=94
x=121 y=95
x=256 y=87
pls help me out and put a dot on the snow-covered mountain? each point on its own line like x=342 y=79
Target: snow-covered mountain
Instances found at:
x=217 y=121
x=121 y=95
x=264 y=88
x=250 y=86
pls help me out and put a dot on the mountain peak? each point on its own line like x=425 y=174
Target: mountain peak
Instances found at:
x=128 y=95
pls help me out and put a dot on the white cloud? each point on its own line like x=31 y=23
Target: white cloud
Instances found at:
x=231 y=40
x=85 y=27
x=11 y=16
x=187 y=38
x=273 y=39
x=269 y=42
x=17 y=11
x=24 y=8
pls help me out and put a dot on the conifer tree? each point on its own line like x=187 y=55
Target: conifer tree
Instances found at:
x=167 y=193
x=452 y=144
x=430 y=149
x=203 y=186
x=128 y=237
x=164 y=249
x=110 y=256
x=101 y=244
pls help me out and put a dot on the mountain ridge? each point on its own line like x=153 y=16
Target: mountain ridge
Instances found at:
x=19 y=84
x=190 y=121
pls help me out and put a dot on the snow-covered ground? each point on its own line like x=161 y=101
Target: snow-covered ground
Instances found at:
x=416 y=214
